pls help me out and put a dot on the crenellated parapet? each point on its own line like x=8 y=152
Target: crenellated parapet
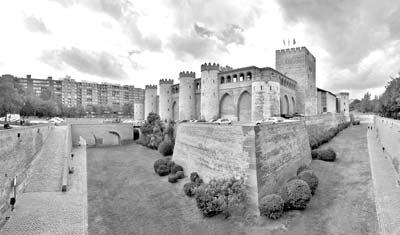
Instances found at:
x=292 y=50
x=148 y=87
x=166 y=81
x=209 y=66
x=187 y=74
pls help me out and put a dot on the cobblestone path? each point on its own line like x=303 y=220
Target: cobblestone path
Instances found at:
x=386 y=187
x=43 y=208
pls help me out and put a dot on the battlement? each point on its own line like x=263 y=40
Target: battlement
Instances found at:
x=187 y=74
x=166 y=81
x=209 y=66
x=148 y=87
x=292 y=50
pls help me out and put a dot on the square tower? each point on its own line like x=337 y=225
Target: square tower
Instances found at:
x=299 y=64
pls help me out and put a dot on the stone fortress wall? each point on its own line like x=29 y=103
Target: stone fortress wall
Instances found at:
x=18 y=148
x=389 y=137
x=102 y=134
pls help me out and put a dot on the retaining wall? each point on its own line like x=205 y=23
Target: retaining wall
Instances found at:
x=389 y=136
x=323 y=122
x=16 y=156
x=102 y=134
x=265 y=155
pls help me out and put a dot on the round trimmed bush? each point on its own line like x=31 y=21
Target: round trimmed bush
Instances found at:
x=302 y=168
x=310 y=178
x=162 y=170
x=180 y=175
x=189 y=188
x=194 y=176
x=175 y=168
x=296 y=194
x=172 y=178
x=292 y=178
x=166 y=148
x=170 y=164
x=324 y=154
x=272 y=206
x=199 y=181
x=158 y=163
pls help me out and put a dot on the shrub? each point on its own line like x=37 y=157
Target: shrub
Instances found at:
x=160 y=162
x=296 y=194
x=199 y=181
x=272 y=206
x=324 y=154
x=162 y=170
x=189 y=189
x=170 y=164
x=220 y=195
x=180 y=175
x=302 y=168
x=175 y=168
x=166 y=148
x=311 y=179
x=194 y=176
x=173 y=178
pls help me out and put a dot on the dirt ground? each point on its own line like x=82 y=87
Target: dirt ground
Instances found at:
x=127 y=197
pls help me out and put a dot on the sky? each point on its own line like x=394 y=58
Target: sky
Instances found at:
x=356 y=43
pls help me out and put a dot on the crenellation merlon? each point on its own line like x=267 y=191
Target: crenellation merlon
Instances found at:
x=148 y=87
x=209 y=66
x=166 y=81
x=187 y=74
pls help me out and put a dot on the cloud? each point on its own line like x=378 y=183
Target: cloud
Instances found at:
x=34 y=24
x=94 y=63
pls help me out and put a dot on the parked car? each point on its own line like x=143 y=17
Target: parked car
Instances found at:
x=212 y=120
x=270 y=120
x=223 y=121
x=298 y=115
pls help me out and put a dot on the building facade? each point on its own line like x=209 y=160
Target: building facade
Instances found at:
x=248 y=93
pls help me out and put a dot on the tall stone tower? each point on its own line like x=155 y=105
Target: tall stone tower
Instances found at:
x=265 y=98
x=209 y=91
x=344 y=106
x=150 y=100
x=187 y=105
x=299 y=64
x=165 y=99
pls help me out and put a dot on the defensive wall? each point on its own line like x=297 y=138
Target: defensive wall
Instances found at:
x=265 y=155
x=389 y=136
x=102 y=134
x=18 y=148
x=323 y=122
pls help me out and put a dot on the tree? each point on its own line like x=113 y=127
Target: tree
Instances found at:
x=46 y=94
x=30 y=106
x=355 y=105
x=390 y=99
x=46 y=108
x=365 y=104
x=80 y=111
x=127 y=109
x=10 y=100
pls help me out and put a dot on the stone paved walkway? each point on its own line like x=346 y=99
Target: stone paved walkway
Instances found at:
x=43 y=208
x=387 y=191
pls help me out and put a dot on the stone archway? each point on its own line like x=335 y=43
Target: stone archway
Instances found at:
x=175 y=111
x=117 y=135
x=293 y=106
x=226 y=107
x=244 y=107
x=284 y=105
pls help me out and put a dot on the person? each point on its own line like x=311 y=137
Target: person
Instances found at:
x=13 y=198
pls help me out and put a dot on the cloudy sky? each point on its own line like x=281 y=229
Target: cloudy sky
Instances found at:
x=356 y=43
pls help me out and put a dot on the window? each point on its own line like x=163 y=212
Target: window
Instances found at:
x=228 y=79
x=241 y=77
x=222 y=79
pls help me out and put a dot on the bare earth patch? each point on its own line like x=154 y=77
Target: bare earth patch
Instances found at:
x=127 y=197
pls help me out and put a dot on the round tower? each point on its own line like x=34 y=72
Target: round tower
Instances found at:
x=187 y=105
x=265 y=100
x=150 y=100
x=165 y=99
x=209 y=91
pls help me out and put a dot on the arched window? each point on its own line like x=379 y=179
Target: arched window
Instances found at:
x=228 y=79
x=241 y=77
x=222 y=79
x=248 y=76
x=235 y=78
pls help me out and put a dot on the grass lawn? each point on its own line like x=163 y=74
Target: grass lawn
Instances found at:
x=127 y=197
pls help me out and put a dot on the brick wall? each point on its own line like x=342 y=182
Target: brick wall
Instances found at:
x=265 y=155
x=101 y=133
x=16 y=156
x=323 y=122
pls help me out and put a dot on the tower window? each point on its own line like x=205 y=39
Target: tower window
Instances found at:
x=190 y=97
x=270 y=88
x=261 y=87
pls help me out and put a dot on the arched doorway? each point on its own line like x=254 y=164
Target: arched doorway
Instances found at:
x=293 y=106
x=244 y=107
x=285 y=105
x=226 y=107
x=175 y=111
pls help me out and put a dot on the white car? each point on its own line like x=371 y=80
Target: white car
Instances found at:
x=56 y=120
x=223 y=121
x=271 y=120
